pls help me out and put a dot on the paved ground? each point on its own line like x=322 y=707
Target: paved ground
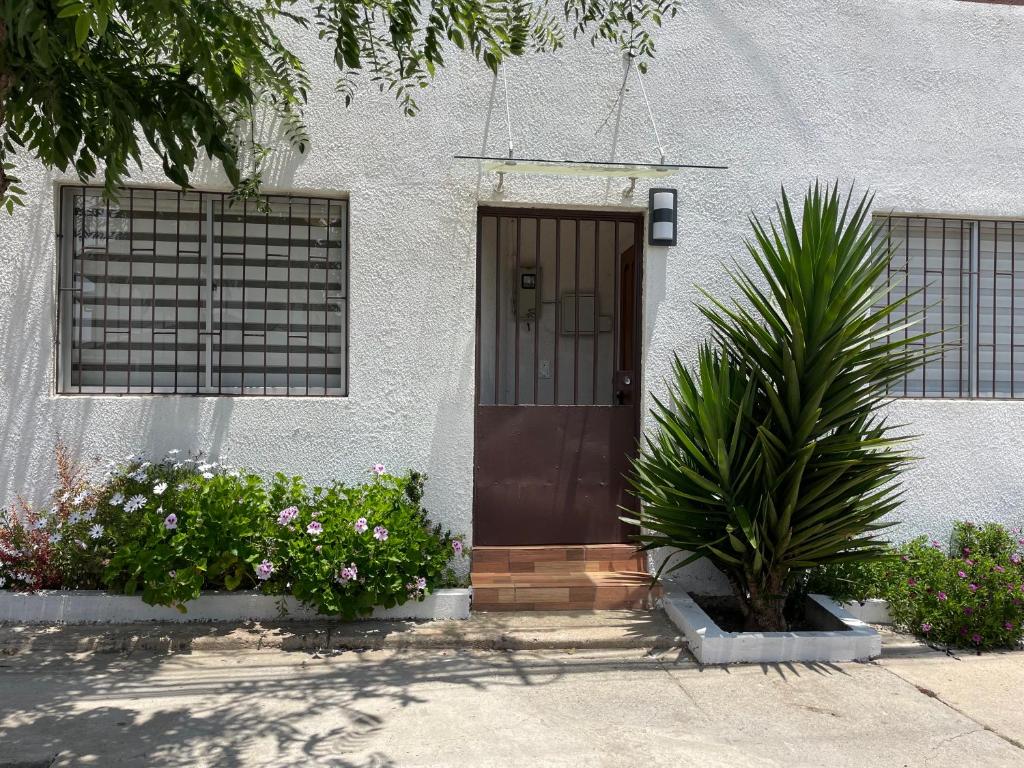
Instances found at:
x=432 y=707
x=485 y=631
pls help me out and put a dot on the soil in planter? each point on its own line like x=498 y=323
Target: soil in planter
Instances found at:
x=725 y=611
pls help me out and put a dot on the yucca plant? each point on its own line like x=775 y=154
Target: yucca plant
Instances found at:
x=771 y=456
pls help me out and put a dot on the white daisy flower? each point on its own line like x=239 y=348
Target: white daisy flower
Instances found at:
x=135 y=503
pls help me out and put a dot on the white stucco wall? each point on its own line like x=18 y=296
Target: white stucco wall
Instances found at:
x=922 y=101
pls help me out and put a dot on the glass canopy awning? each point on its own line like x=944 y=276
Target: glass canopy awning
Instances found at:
x=539 y=167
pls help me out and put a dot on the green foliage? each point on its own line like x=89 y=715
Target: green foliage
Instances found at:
x=169 y=530
x=80 y=80
x=52 y=548
x=374 y=547
x=969 y=596
x=771 y=458
x=175 y=528
x=858 y=580
x=972 y=596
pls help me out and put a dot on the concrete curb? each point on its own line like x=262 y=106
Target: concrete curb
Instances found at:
x=98 y=607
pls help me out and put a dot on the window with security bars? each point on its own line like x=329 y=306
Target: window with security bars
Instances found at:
x=170 y=292
x=962 y=276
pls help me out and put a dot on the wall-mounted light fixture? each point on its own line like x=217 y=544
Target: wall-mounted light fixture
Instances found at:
x=661 y=211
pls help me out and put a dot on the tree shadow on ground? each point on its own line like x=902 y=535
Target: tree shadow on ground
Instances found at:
x=240 y=709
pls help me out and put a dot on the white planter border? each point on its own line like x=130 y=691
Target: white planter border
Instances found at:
x=713 y=645
x=97 y=607
x=871 y=611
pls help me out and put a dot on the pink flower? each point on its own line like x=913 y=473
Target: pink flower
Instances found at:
x=999 y=569
x=967 y=550
x=1015 y=559
x=941 y=595
x=457 y=546
x=314 y=528
x=377 y=469
x=1008 y=625
x=968 y=610
x=264 y=570
x=361 y=525
x=286 y=515
x=904 y=558
x=972 y=587
x=173 y=574
x=976 y=638
x=380 y=533
x=926 y=627
x=961 y=574
x=171 y=522
x=911 y=582
x=348 y=573
x=936 y=545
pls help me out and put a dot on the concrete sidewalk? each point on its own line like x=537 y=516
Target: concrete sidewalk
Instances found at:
x=646 y=630
x=477 y=708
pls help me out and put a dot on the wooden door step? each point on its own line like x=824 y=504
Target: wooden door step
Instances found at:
x=560 y=578
x=557 y=559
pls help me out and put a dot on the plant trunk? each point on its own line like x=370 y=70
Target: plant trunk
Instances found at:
x=764 y=607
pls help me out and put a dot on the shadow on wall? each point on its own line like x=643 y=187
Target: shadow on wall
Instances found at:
x=26 y=378
x=700 y=577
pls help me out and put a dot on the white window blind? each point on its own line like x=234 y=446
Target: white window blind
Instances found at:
x=191 y=293
x=962 y=274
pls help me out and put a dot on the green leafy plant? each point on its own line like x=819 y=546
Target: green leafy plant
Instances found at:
x=174 y=528
x=858 y=580
x=82 y=81
x=52 y=547
x=972 y=596
x=169 y=530
x=771 y=458
x=346 y=549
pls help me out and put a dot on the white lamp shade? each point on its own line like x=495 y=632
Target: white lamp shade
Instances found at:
x=663 y=200
x=661 y=230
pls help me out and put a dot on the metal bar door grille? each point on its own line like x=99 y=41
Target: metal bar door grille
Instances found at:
x=551 y=309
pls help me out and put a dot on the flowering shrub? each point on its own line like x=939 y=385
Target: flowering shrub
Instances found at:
x=973 y=596
x=53 y=547
x=969 y=595
x=347 y=549
x=170 y=529
x=174 y=528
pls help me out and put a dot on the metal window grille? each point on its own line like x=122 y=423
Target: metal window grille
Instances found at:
x=170 y=292
x=962 y=274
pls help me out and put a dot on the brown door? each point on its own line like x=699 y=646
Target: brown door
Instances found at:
x=557 y=375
